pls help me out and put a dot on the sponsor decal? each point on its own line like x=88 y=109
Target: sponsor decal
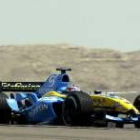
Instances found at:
x=42 y=108
x=98 y=102
x=49 y=98
x=48 y=85
x=29 y=86
x=115 y=105
x=51 y=80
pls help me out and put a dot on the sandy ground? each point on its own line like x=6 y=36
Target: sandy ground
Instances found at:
x=129 y=96
x=102 y=69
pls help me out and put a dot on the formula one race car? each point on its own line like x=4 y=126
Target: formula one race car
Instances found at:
x=58 y=101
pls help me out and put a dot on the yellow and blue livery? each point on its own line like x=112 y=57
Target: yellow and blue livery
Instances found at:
x=58 y=101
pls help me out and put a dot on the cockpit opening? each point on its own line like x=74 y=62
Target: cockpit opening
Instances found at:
x=65 y=78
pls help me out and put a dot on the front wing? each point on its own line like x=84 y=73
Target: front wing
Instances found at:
x=127 y=120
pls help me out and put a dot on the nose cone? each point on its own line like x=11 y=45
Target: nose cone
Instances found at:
x=125 y=106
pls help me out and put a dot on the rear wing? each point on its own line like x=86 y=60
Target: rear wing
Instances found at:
x=20 y=86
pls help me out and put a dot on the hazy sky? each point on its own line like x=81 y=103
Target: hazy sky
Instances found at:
x=94 y=23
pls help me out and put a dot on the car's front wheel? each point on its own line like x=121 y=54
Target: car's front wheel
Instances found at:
x=137 y=102
x=77 y=109
x=137 y=125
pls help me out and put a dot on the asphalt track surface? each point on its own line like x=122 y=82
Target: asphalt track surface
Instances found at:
x=67 y=133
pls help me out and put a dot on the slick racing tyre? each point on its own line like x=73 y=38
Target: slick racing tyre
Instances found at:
x=5 y=110
x=77 y=109
x=137 y=124
x=137 y=102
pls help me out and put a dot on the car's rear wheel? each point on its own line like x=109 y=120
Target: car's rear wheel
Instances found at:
x=77 y=109
x=137 y=102
x=5 y=110
x=137 y=125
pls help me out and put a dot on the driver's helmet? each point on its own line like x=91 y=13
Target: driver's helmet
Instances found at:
x=97 y=92
x=69 y=89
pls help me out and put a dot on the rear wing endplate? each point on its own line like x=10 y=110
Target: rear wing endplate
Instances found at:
x=20 y=86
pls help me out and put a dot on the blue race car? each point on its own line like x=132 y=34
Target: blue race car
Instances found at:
x=44 y=105
x=58 y=101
